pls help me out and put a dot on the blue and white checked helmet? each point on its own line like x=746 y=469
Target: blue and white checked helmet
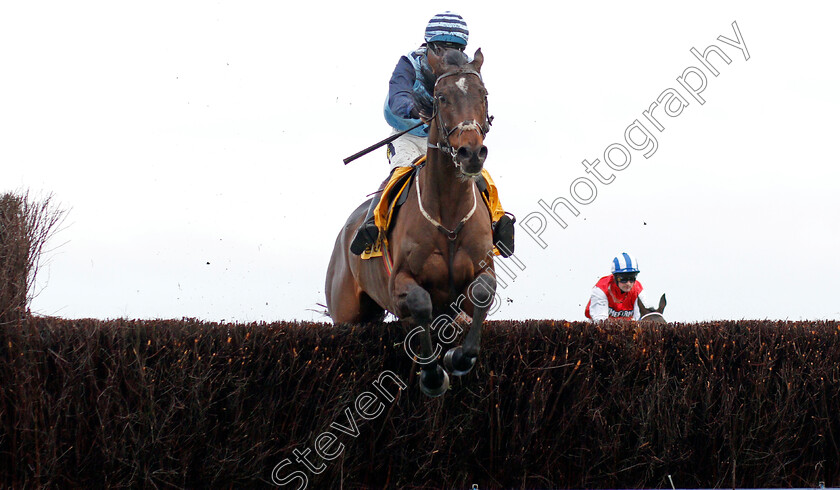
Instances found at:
x=624 y=263
x=447 y=28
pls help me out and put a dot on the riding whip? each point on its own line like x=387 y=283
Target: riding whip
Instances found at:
x=381 y=143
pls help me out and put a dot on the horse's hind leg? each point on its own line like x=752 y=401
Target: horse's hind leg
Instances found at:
x=434 y=381
x=346 y=302
x=460 y=360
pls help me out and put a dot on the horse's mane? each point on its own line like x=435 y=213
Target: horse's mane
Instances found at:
x=451 y=57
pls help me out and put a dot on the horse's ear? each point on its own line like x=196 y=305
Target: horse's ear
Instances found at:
x=662 y=303
x=435 y=60
x=478 y=60
x=642 y=309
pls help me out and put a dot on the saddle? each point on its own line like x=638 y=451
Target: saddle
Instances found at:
x=396 y=192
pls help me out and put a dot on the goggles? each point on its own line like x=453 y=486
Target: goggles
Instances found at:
x=437 y=46
x=625 y=278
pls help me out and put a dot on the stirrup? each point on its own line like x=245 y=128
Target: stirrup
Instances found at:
x=503 y=234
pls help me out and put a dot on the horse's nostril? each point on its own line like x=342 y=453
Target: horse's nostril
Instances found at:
x=482 y=153
x=464 y=154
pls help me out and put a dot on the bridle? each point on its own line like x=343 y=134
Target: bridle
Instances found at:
x=471 y=125
x=444 y=146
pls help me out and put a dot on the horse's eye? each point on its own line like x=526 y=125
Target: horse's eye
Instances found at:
x=442 y=99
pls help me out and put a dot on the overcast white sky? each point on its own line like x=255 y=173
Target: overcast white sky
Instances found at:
x=198 y=148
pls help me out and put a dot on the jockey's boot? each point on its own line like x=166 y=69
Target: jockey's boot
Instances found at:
x=502 y=227
x=503 y=234
x=368 y=231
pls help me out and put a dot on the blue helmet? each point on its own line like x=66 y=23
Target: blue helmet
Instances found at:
x=447 y=28
x=624 y=263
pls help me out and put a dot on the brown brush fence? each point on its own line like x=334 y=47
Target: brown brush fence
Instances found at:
x=550 y=405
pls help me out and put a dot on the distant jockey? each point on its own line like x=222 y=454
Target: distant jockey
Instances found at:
x=444 y=31
x=614 y=296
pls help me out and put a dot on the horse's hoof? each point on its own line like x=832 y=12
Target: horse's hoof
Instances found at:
x=457 y=363
x=434 y=391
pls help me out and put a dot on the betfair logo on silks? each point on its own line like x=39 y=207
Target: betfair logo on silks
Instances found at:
x=620 y=314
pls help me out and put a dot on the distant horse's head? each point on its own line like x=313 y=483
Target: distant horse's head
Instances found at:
x=459 y=120
x=654 y=316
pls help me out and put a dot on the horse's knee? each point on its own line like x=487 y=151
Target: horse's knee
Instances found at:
x=482 y=290
x=419 y=304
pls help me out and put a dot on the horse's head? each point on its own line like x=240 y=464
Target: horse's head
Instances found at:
x=652 y=315
x=459 y=119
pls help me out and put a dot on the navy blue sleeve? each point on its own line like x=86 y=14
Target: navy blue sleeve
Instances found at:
x=400 y=89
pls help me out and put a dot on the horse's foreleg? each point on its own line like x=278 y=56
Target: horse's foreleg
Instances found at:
x=434 y=381
x=481 y=292
x=460 y=360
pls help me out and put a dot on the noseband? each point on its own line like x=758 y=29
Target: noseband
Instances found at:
x=444 y=134
x=652 y=314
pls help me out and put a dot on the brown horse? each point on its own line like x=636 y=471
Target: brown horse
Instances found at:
x=441 y=240
x=652 y=315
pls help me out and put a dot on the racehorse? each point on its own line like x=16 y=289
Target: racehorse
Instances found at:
x=652 y=315
x=440 y=239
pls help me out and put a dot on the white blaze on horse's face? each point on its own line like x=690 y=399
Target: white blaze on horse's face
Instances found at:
x=461 y=104
x=462 y=84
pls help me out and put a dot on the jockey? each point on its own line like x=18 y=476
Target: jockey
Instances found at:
x=446 y=30
x=615 y=296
